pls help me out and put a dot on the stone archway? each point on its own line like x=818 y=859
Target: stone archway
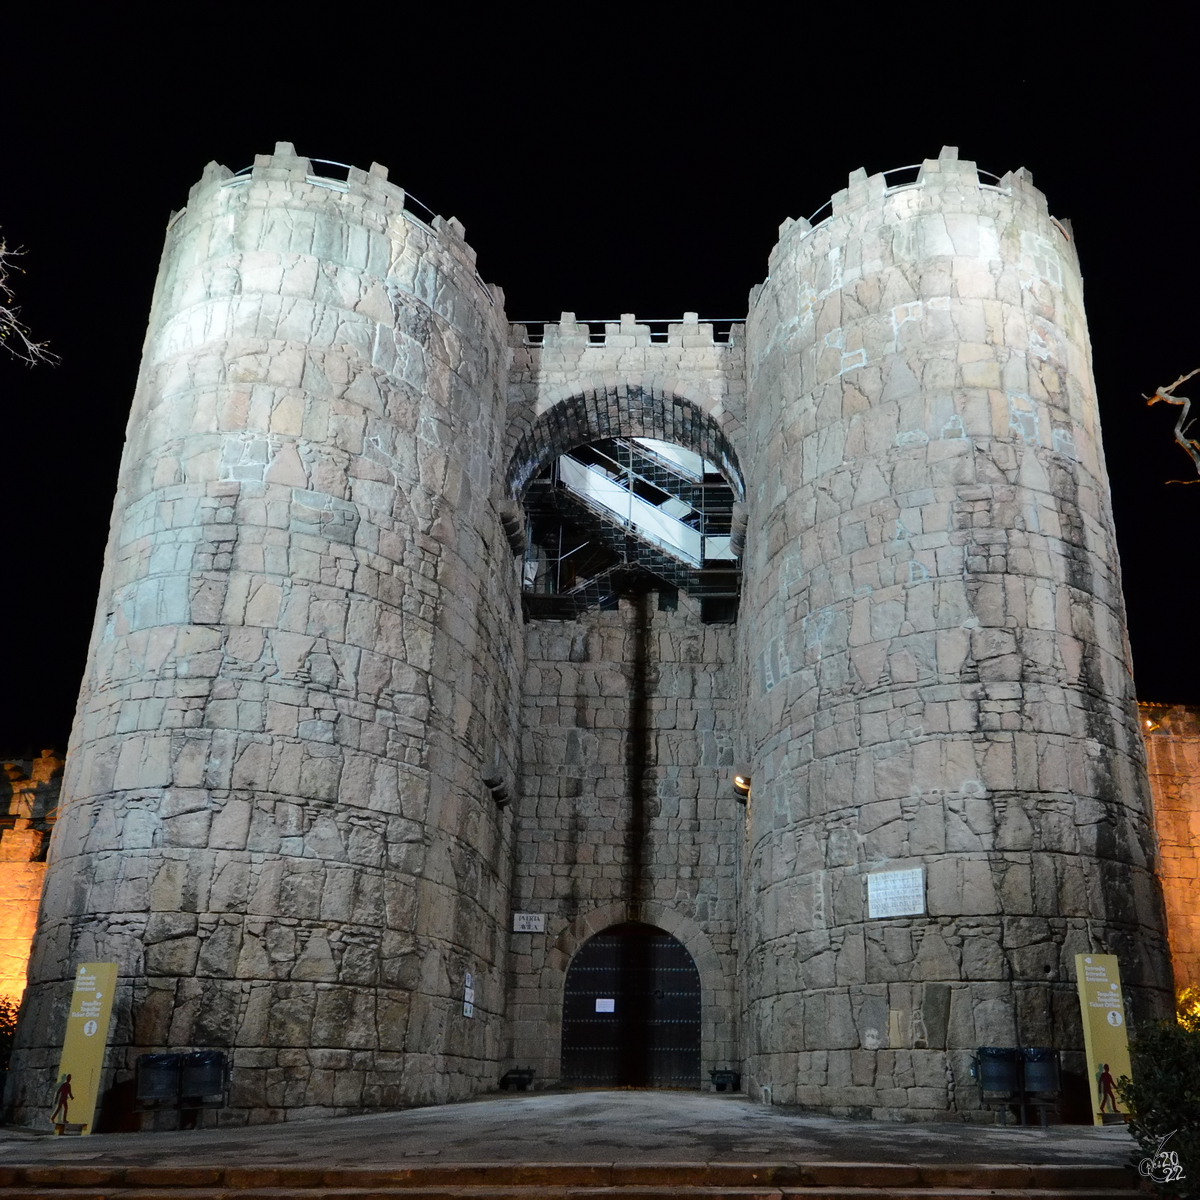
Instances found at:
x=620 y=411
x=632 y=1011
x=718 y=989
x=601 y=516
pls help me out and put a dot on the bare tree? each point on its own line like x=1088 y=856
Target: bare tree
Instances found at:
x=14 y=336
x=1167 y=396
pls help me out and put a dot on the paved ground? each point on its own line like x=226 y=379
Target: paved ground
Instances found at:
x=581 y=1127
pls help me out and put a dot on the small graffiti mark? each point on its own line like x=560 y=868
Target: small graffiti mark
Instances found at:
x=1163 y=1166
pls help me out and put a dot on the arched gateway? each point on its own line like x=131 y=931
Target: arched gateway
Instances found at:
x=631 y=1011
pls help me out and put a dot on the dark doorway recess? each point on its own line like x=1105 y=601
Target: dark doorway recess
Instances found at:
x=631 y=1012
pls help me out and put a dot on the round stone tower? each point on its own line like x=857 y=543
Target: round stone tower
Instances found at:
x=274 y=817
x=949 y=797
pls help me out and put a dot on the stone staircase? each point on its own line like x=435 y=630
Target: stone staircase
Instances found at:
x=630 y=552
x=582 y=1181
x=623 y=541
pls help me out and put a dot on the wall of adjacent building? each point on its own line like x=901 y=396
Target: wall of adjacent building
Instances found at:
x=29 y=793
x=1172 y=737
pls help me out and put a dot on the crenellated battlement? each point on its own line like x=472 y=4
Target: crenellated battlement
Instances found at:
x=627 y=332
x=946 y=172
x=365 y=190
x=286 y=166
x=942 y=187
x=938 y=176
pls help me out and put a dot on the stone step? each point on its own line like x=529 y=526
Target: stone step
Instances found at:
x=579 y=1181
x=835 y=1192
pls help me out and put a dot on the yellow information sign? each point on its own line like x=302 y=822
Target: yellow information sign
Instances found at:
x=86 y=1039
x=1105 y=1037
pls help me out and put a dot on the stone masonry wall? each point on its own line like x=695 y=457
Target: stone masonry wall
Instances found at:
x=567 y=363
x=934 y=652
x=1172 y=737
x=585 y=857
x=305 y=659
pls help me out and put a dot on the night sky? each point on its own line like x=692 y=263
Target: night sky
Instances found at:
x=603 y=160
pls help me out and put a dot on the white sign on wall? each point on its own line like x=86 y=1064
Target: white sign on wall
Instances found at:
x=896 y=893
x=529 y=922
x=606 y=1004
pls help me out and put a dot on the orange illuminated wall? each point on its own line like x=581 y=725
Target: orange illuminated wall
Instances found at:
x=28 y=801
x=1172 y=737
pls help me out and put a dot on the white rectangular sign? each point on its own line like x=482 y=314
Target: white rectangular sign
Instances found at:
x=606 y=1004
x=896 y=893
x=529 y=922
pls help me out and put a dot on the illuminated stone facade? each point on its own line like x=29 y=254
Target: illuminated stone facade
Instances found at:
x=320 y=760
x=1172 y=735
x=29 y=796
x=937 y=666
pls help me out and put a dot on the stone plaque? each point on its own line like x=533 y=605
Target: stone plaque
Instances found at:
x=529 y=922
x=896 y=893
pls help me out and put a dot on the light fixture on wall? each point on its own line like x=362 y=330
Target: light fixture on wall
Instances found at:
x=741 y=785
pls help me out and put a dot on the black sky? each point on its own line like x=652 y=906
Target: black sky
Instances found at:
x=603 y=160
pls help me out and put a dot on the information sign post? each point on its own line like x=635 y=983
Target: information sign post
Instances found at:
x=1105 y=1038
x=78 y=1084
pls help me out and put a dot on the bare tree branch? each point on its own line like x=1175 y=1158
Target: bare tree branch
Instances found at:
x=1167 y=396
x=14 y=336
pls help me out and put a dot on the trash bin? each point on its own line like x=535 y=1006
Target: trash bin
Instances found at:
x=999 y=1069
x=1041 y=1069
x=202 y=1079
x=158 y=1080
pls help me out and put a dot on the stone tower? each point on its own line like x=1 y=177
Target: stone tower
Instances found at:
x=336 y=809
x=275 y=822
x=938 y=673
